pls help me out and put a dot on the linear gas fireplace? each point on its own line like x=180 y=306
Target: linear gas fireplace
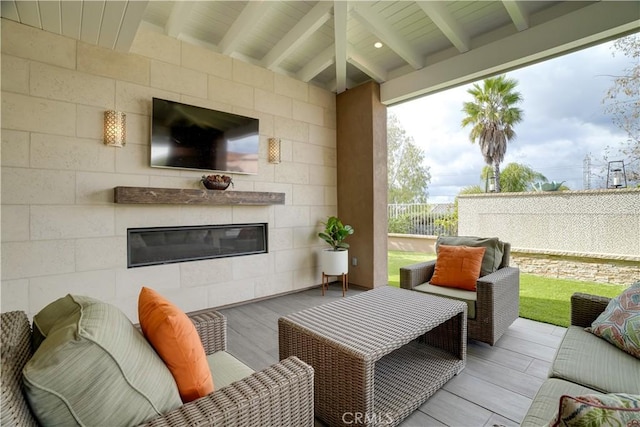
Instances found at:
x=165 y=245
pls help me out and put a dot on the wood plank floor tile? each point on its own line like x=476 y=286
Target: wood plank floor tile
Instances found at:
x=420 y=419
x=527 y=348
x=510 y=379
x=489 y=396
x=494 y=388
x=501 y=356
x=453 y=410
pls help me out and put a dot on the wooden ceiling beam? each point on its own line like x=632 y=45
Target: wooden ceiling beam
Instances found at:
x=358 y=60
x=438 y=13
x=179 y=14
x=308 y=25
x=377 y=26
x=340 y=12
x=252 y=12
x=320 y=63
x=517 y=13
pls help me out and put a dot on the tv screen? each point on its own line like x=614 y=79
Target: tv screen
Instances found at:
x=188 y=137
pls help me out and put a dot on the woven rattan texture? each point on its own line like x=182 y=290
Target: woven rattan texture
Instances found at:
x=585 y=308
x=498 y=297
x=365 y=356
x=281 y=395
x=16 y=351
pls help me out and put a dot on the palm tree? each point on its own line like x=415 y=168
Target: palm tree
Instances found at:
x=492 y=116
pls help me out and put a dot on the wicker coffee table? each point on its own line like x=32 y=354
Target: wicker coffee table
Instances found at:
x=370 y=368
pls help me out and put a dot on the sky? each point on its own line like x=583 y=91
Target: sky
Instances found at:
x=563 y=122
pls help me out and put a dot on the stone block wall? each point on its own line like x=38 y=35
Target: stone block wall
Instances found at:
x=597 y=270
x=62 y=233
x=586 y=235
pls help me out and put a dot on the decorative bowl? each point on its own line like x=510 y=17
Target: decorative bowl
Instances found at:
x=216 y=182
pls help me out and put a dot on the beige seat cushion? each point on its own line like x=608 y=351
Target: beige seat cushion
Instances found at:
x=226 y=369
x=619 y=374
x=545 y=404
x=469 y=297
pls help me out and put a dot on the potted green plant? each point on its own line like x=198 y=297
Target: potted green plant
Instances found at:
x=335 y=261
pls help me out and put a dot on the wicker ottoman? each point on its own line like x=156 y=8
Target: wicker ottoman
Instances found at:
x=377 y=355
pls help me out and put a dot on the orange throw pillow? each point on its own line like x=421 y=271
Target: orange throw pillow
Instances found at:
x=458 y=267
x=175 y=338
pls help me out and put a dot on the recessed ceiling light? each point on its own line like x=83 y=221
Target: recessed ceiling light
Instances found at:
x=377 y=45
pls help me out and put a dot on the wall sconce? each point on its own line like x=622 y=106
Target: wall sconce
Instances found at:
x=274 y=150
x=115 y=128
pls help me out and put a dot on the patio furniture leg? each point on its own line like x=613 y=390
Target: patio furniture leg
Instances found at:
x=324 y=277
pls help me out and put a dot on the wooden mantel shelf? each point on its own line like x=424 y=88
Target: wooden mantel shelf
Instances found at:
x=149 y=195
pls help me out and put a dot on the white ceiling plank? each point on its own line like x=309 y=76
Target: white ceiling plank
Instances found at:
x=340 y=43
x=308 y=25
x=379 y=27
x=518 y=15
x=584 y=27
x=130 y=24
x=71 y=12
x=9 y=10
x=356 y=58
x=252 y=12
x=438 y=13
x=111 y=21
x=29 y=13
x=91 y=21
x=320 y=63
x=51 y=16
x=179 y=13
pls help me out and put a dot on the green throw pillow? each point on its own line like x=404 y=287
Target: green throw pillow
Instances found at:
x=619 y=323
x=93 y=367
x=492 y=256
x=616 y=409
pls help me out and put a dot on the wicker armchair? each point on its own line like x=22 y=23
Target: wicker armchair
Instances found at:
x=281 y=395
x=497 y=296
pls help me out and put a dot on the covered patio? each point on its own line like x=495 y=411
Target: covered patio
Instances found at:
x=495 y=388
x=310 y=73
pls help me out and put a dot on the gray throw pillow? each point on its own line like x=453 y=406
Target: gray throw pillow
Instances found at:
x=492 y=255
x=93 y=367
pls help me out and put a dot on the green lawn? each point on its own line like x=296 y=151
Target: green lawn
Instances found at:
x=541 y=298
x=399 y=259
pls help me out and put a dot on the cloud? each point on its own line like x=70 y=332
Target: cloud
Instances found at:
x=564 y=121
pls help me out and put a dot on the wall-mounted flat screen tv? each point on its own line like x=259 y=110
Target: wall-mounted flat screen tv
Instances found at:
x=189 y=137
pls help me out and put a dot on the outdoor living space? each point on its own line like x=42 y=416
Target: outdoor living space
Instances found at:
x=495 y=388
x=88 y=214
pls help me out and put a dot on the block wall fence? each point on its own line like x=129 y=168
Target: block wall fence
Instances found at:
x=591 y=235
x=62 y=233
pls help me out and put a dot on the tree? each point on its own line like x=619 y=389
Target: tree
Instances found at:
x=515 y=177
x=492 y=115
x=622 y=101
x=408 y=177
x=450 y=221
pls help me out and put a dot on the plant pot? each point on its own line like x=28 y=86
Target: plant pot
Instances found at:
x=334 y=263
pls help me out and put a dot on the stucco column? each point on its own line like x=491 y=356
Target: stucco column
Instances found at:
x=362 y=181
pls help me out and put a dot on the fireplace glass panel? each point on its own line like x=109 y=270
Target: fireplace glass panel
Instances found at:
x=165 y=245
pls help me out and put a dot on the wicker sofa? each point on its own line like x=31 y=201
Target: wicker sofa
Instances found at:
x=281 y=395
x=583 y=364
x=492 y=308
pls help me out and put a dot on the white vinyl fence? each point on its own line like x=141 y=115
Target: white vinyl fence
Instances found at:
x=423 y=219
